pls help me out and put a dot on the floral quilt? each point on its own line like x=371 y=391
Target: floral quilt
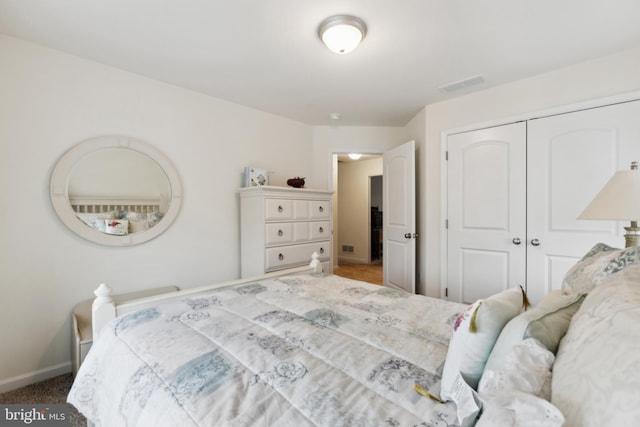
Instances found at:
x=291 y=351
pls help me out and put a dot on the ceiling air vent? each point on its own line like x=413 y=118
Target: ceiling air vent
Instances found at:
x=461 y=84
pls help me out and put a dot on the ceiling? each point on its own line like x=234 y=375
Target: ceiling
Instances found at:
x=266 y=54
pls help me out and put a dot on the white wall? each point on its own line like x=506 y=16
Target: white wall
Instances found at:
x=353 y=199
x=608 y=76
x=360 y=139
x=51 y=101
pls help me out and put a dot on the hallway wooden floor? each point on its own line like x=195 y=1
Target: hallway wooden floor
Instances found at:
x=371 y=273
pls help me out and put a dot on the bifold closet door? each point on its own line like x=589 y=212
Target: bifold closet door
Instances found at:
x=569 y=159
x=486 y=236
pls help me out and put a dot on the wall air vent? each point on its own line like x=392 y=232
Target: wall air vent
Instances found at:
x=461 y=84
x=347 y=248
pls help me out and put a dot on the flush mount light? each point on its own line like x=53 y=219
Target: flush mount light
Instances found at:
x=342 y=33
x=335 y=116
x=355 y=156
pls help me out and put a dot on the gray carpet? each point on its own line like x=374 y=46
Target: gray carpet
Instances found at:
x=54 y=390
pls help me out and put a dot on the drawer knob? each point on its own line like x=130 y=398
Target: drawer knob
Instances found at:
x=321 y=230
x=321 y=209
x=280 y=257
x=321 y=250
x=280 y=209
x=280 y=232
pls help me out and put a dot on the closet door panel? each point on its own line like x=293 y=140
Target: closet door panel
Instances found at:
x=486 y=179
x=569 y=159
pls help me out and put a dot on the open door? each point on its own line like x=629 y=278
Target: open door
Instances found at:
x=399 y=207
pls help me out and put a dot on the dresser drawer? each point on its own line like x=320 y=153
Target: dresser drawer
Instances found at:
x=289 y=256
x=279 y=233
x=319 y=209
x=278 y=209
x=282 y=233
x=285 y=209
x=319 y=230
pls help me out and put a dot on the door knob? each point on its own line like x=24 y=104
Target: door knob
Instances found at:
x=535 y=242
x=516 y=241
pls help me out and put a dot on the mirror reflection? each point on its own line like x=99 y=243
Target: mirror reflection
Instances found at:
x=119 y=191
x=116 y=191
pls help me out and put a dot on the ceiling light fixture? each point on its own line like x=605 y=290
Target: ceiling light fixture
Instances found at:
x=342 y=33
x=335 y=116
x=355 y=156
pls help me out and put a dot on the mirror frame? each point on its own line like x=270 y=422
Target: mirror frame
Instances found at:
x=60 y=190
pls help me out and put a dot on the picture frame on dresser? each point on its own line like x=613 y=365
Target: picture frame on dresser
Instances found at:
x=280 y=227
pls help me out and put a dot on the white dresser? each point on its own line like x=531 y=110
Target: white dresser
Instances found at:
x=281 y=227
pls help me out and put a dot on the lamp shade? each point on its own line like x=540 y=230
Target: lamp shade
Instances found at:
x=618 y=200
x=342 y=33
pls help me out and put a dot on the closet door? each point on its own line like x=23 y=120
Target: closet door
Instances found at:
x=486 y=178
x=570 y=157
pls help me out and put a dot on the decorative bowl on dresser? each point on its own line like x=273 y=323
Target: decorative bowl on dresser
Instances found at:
x=296 y=182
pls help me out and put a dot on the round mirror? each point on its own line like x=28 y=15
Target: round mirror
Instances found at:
x=116 y=191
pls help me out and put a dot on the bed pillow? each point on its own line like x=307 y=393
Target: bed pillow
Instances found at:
x=474 y=334
x=516 y=408
x=96 y=220
x=547 y=323
x=518 y=393
x=526 y=367
x=596 y=376
x=598 y=264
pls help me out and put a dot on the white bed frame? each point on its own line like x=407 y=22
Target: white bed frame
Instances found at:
x=105 y=204
x=104 y=309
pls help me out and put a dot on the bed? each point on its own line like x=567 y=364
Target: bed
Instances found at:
x=119 y=216
x=308 y=348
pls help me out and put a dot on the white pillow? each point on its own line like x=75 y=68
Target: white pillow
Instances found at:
x=516 y=408
x=518 y=393
x=547 y=322
x=96 y=220
x=527 y=368
x=596 y=380
x=468 y=349
x=601 y=262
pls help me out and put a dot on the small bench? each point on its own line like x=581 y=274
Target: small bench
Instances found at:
x=81 y=323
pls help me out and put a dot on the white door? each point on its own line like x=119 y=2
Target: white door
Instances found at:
x=570 y=158
x=399 y=219
x=486 y=235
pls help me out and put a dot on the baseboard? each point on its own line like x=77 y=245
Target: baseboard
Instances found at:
x=34 y=377
x=348 y=260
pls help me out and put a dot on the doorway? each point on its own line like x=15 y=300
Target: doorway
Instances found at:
x=375 y=229
x=358 y=217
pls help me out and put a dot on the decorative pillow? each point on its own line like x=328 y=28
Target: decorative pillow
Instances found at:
x=133 y=216
x=154 y=217
x=526 y=367
x=475 y=333
x=138 y=226
x=516 y=408
x=518 y=393
x=96 y=220
x=596 y=377
x=597 y=265
x=116 y=226
x=547 y=323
